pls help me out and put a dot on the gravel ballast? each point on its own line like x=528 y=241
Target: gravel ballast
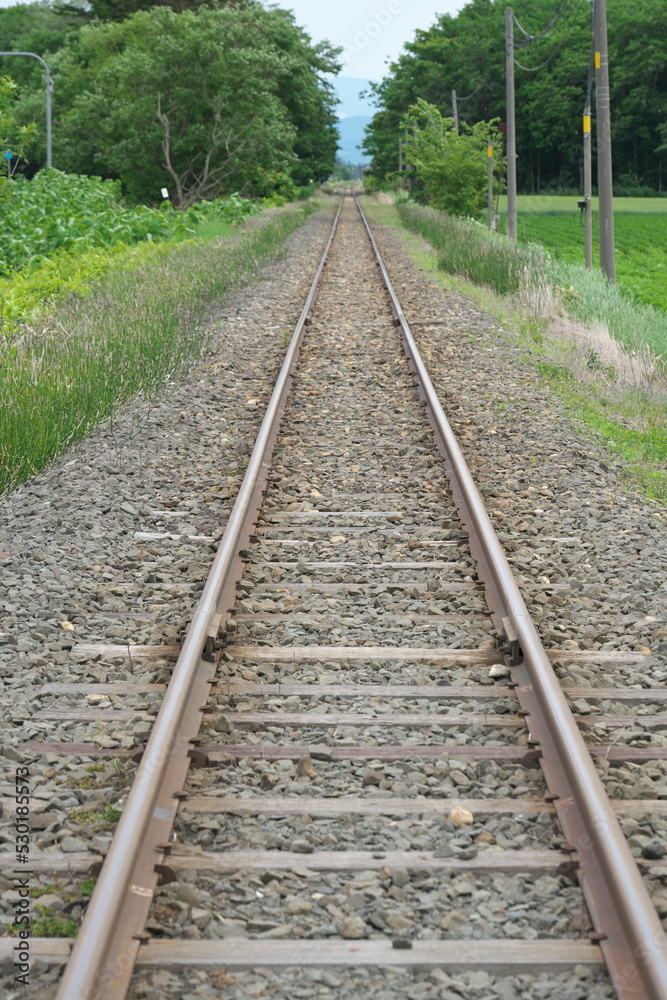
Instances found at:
x=357 y=442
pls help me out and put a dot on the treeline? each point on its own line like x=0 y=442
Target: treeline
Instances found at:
x=201 y=98
x=466 y=53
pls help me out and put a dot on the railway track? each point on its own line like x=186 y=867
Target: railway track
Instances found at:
x=360 y=707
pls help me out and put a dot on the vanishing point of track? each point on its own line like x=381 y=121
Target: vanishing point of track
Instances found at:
x=321 y=413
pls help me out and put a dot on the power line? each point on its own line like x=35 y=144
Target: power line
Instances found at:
x=552 y=24
x=534 y=69
x=475 y=91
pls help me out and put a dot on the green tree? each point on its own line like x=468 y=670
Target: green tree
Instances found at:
x=188 y=101
x=118 y=10
x=466 y=52
x=452 y=169
x=14 y=138
x=237 y=83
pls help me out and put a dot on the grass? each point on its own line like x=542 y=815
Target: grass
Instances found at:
x=561 y=203
x=61 y=376
x=470 y=250
x=98 y=819
x=631 y=419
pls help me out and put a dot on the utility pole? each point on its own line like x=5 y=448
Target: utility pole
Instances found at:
x=489 y=186
x=455 y=112
x=603 y=124
x=49 y=90
x=588 y=188
x=511 y=127
x=400 y=155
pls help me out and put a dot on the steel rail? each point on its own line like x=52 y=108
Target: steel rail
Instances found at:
x=104 y=952
x=626 y=924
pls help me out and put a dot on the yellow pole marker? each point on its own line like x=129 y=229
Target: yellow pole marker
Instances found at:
x=597 y=60
x=587 y=124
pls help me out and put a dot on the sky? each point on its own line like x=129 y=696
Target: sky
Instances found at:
x=372 y=32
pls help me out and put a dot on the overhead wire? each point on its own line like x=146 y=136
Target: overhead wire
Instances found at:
x=545 y=31
x=554 y=21
x=472 y=94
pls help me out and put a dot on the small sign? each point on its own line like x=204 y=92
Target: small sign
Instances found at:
x=8 y=154
x=164 y=192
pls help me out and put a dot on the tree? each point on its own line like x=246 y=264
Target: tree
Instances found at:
x=118 y=10
x=185 y=101
x=244 y=102
x=452 y=168
x=14 y=138
x=466 y=52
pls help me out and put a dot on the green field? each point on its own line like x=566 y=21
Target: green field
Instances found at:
x=568 y=203
x=640 y=231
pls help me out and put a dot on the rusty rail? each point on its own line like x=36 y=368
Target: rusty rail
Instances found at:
x=105 y=950
x=626 y=924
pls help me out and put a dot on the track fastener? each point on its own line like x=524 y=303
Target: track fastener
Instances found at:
x=165 y=874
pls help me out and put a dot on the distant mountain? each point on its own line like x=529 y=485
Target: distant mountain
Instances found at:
x=355 y=114
x=351 y=136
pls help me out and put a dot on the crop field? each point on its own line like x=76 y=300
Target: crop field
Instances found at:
x=640 y=231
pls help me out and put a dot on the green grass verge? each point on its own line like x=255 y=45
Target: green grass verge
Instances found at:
x=63 y=375
x=631 y=421
x=470 y=250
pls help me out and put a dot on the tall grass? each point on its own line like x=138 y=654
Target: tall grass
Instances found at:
x=65 y=374
x=468 y=249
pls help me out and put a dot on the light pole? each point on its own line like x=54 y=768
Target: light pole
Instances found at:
x=49 y=89
x=511 y=128
x=603 y=124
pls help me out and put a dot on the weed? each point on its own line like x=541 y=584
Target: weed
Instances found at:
x=61 y=377
x=86 y=887
x=97 y=820
x=44 y=890
x=48 y=923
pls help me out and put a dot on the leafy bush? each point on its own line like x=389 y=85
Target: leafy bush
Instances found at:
x=56 y=211
x=14 y=138
x=451 y=168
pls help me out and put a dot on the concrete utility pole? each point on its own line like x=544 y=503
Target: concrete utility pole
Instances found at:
x=489 y=186
x=588 y=188
x=455 y=112
x=49 y=90
x=605 y=184
x=511 y=127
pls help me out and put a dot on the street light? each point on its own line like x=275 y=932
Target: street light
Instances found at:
x=49 y=90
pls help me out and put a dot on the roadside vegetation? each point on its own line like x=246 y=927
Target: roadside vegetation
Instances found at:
x=62 y=232
x=591 y=343
x=173 y=125
x=65 y=372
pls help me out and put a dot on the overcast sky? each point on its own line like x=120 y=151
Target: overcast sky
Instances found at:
x=372 y=31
